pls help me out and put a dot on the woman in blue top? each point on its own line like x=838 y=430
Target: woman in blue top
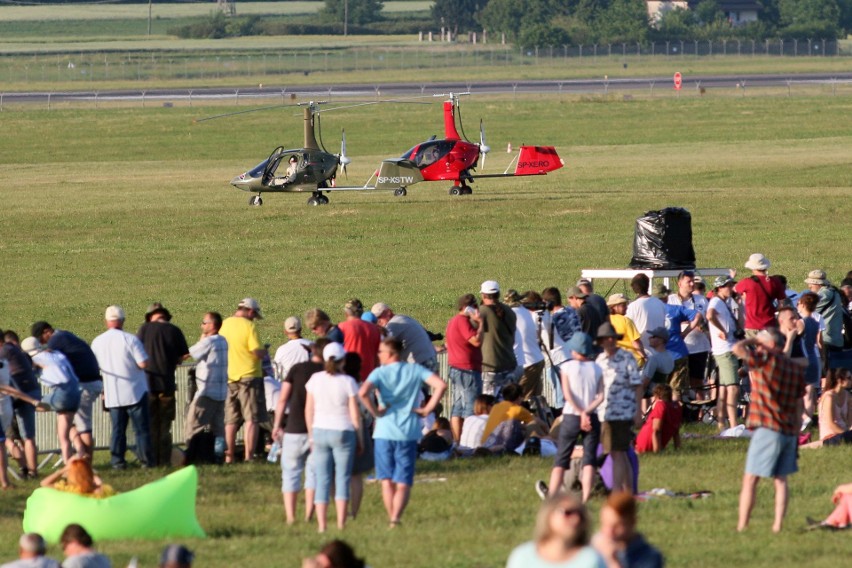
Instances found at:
x=561 y=538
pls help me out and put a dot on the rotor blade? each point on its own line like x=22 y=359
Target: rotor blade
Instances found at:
x=239 y=112
x=483 y=148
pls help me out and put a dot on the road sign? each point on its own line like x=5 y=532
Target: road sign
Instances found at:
x=678 y=81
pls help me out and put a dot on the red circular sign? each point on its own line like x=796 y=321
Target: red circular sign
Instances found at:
x=678 y=80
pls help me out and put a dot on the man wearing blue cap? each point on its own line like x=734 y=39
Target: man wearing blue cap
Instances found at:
x=582 y=386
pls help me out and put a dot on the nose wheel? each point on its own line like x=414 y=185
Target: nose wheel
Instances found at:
x=255 y=200
x=460 y=190
x=401 y=192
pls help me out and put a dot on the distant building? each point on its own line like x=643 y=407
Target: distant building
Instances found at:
x=656 y=8
x=736 y=12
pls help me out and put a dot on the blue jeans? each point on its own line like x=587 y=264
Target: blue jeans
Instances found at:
x=556 y=381
x=467 y=385
x=138 y=415
x=334 y=453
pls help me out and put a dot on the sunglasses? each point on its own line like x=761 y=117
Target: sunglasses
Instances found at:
x=568 y=511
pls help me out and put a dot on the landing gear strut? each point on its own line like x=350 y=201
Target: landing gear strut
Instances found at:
x=255 y=200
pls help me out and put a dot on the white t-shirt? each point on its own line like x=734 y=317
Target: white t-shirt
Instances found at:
x=472 y=429
x=647 y=314
x=584 y=381
x=724 y=314
x=331 y=395
x=527 y=351
x=292 y=352
x=697 y=340
x=119 y=354
x=55 y=369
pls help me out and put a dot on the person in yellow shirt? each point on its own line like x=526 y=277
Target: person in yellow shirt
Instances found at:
x=246 y=401
x=510 y=409
x=623 y=325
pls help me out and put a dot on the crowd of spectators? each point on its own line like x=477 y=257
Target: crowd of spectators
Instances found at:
x=366 y=391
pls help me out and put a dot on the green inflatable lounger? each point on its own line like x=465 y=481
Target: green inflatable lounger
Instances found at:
x=161 y=509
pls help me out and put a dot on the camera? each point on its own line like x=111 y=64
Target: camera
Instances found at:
x=538 y=306
x=739 y=334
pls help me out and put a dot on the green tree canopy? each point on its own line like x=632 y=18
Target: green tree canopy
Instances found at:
x=458 y=15
x=360 y=11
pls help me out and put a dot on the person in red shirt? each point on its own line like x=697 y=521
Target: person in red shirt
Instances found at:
x=464 y=340
x=662 y=424
x=759 y=292
x=360 y=337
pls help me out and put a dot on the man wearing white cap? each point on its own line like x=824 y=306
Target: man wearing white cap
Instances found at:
x=122 y=359
x=759 y=292
x=498 y=340
x=246 y=401
x=295 y=350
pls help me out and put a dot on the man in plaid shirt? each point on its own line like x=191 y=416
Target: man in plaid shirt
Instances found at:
x=777 y=387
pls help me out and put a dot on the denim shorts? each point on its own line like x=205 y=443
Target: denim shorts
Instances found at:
x=395 y=460
x=25 y=416
x=295 y=459
x=466 y=385
x=64 y=398
x=90 y=392
x=772 y=454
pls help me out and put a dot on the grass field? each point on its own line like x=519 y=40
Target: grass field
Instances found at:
x=130 y=206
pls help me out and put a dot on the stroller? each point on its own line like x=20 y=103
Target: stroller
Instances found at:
x=703 y=408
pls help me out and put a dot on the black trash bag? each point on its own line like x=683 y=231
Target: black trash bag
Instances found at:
x=663 y=239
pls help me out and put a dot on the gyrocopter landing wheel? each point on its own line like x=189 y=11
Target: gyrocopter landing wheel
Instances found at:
x=455 y=190
x=323 y=200
x=401 y=192
x=313 y=201
x=255 y=201
x=466 y=191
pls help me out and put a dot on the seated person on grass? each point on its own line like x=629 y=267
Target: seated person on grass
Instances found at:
x=841 y=517
x=78 y=477
x=662 y=424
x=509 y=423
x=474 y=426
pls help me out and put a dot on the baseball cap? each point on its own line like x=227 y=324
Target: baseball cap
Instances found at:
x=251 y=304
x=489 y=287
x=31 y=345
x=114 y=313
x=176 y=554
x=333 y=351
x=660 y=333
x=379 y=308
x=584 y=282
x=575 y=292
x=292 y=324
x=369 y=317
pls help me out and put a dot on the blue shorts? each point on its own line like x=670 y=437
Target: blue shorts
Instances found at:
x=25 y=416
x=295 y=459
x=467 y=385
x=772 y=454
x=395 y=460
x=63 y=398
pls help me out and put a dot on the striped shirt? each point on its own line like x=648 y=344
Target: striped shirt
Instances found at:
x=777 y=385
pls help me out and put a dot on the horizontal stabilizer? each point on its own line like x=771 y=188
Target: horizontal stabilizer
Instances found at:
x=537 y=160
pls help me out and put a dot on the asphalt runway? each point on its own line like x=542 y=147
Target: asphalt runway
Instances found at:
x=392 y=90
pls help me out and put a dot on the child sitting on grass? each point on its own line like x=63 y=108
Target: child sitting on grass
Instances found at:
x=662 y=423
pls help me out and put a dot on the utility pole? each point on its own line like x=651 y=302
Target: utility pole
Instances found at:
x=345 y=17
x=149 y=16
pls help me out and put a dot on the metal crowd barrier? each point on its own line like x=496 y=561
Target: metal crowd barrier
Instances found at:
x=48 y=442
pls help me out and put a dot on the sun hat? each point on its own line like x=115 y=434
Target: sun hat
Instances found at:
x=606 y=330
x=757 y=262
x=157 y=308
x=617 y=299
x=575 y=292
x=31 y=345
x=722 y=281
x=817 y=277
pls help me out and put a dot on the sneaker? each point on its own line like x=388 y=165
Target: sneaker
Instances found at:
x=541 y=489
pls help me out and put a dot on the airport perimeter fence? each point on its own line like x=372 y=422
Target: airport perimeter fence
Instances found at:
x=191 y=65
x=48 y=442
